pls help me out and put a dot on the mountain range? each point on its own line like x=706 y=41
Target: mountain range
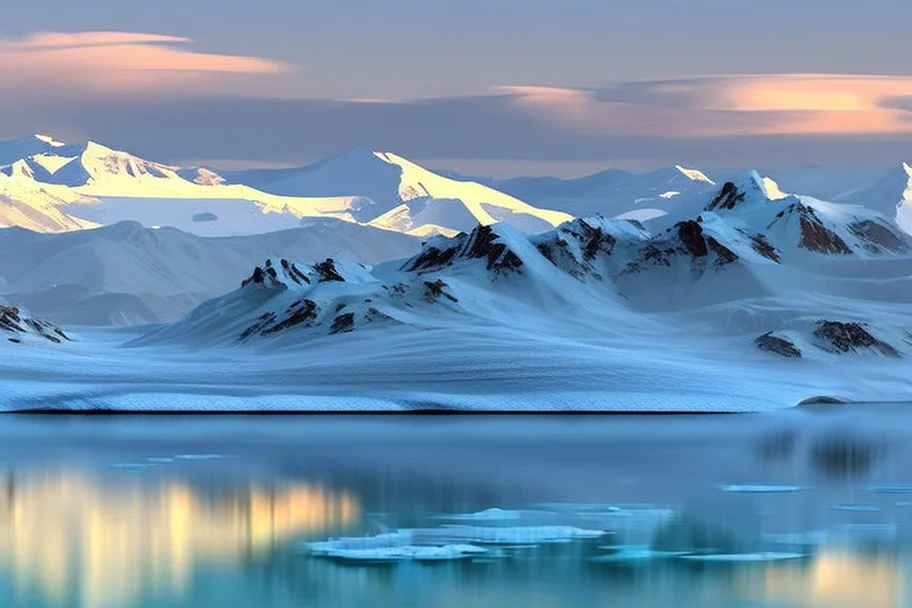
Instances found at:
x=669 y=290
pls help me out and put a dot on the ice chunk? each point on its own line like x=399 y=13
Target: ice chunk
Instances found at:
x=407 y=552
x=761 y=489
x=856 y=508
x=891 y=489
x=634 y=553
x=762 y=556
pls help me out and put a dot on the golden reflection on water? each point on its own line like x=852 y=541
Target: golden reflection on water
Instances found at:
x=839 y=579
x=92 y=542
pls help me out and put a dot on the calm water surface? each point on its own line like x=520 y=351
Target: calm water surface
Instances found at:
x=788 y=510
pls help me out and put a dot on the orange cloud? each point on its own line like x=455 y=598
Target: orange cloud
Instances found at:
x=770 y=104
x=117 y=63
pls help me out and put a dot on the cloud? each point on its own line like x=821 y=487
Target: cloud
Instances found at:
x=711 y=122
x=721 y=106
x=116 y=63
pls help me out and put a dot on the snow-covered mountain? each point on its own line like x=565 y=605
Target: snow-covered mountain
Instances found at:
x=397 y=194
x=540 y=190
x=126 y=274
x=612 y=192
x=891 y=195
x=96 y=185
x=753 y=301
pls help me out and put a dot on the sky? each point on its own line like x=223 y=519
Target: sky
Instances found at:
x=485 y=86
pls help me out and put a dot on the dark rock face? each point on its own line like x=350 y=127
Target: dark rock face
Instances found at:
x=292 y=271
x=12 y=320
x=691 y=234
x=817 y=237
x=879 y=237
x=299 y=312
x=778 y=346
x=724 y=255
x=728 y=197
x=482 y=243
x=264 y=276
x=851 y=337
x=262 y=322
x=434 y=290
x=432 y=257
x=302 y=312
x=764 y=248
x=327 y=271
x=343 y=323
x=204 y=217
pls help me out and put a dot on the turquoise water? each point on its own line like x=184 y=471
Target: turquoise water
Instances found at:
x=786 y=510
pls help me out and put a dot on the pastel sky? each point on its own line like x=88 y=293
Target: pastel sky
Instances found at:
x=490 y=86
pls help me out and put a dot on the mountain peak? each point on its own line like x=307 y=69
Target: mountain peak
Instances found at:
x=907 y=168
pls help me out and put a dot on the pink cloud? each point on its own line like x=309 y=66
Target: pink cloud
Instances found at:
x=769 y=104
x=118 y=63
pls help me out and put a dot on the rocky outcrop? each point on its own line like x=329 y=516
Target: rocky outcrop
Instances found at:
x=483 y=243
x=17 y=324
x=879 y=238
x=728 y=197
x=813 y=233
x=840 y=337
x=434 y=290
x=327 y=271
x=685 y=240
x=764 y=248
x=343 y=323
x=778 y=345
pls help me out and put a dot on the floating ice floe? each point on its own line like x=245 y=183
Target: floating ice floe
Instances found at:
x=634 y=553
x=514 y=535
x=448 y=542
x=157 y=460
x=493 y=514
x=867 y=532
x=199 y=456
x=891 y=489
x=761 y=556
x=408 y=553
x=856 y=508
x=812 y=538
x=761 y=489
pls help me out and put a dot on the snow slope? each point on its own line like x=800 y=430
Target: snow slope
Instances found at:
x=127 y=274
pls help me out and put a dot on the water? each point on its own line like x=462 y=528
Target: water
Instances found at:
x=197 y=511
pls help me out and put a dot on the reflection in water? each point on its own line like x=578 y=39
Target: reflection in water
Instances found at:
x=110 y=541
x=839 y=579
x=835 y=494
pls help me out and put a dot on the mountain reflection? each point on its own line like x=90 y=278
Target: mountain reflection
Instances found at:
x=86 y=541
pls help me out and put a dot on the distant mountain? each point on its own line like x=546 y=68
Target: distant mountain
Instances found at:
x=38 y=206
x=35 y=145
x=126 y=274
x=397 y=194
x=715 y=308
x=539 y=190
x=891 y=195
x=612 y=192
x=381 y=189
